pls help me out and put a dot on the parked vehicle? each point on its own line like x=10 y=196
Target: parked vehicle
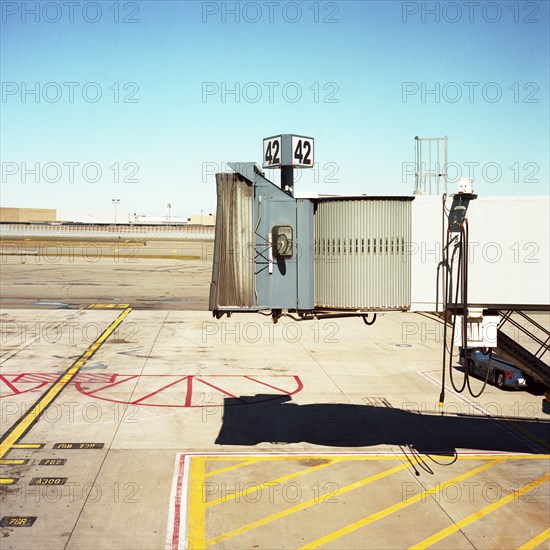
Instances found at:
x=502 y=372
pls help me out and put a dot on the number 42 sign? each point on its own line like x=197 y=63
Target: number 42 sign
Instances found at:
x=302 y=152
x=288 y=150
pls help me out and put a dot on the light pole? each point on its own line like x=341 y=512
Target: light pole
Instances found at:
x=201 y=215
x=169 y=206
x=92 y=218
x=115 y=202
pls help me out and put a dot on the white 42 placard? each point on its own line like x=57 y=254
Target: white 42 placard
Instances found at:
x=302 y=152
x=272 y=152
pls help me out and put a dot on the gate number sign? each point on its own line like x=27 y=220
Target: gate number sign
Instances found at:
x=302 y=152
x=288 y=150
x=272 y=152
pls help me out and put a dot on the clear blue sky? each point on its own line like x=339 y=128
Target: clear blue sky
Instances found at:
x=351 y=62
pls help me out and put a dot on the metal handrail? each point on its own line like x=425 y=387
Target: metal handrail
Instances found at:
x=544 y=344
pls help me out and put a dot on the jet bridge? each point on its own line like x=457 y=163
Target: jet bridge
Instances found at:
x=357 y=255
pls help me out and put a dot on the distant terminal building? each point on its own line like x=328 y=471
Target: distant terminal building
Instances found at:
x=202 y=219
x=27 y=215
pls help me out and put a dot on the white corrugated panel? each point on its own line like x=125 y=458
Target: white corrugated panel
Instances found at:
x=361 y=256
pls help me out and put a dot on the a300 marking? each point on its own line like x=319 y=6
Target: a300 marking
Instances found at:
x=48 y=481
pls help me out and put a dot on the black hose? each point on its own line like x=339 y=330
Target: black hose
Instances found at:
x=459 y=285
x=444 y=263
x=450 y=287
x=476 y=395
x=364 y=317
x=464 y=235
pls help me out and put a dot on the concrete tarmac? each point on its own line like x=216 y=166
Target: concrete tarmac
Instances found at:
x=151 y=274
x=127 y=426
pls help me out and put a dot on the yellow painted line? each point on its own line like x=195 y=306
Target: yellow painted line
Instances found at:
x=26 y=421
x=274 y=456
x=535 y=541
x=27 y=446
x=232 y=467
x=12 y=461
x=265 y=485
x=7 y=480
x=304 y=505
x=426 y=543
x=197 y=513
x=225 y=458
x=396 y=507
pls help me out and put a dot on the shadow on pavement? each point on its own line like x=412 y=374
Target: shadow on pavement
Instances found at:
x=266 y=418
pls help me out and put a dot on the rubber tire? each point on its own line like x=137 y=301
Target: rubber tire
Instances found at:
x=500 y=380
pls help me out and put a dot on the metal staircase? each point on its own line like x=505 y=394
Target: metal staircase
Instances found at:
x=533 y=353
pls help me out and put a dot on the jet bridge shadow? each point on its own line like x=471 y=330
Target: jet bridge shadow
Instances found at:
x=274 y=419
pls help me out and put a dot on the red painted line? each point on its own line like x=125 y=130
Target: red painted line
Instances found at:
x=189 y=394
x=12 y=388
x=45 y=378
x=219 y=389
x=17 y=391
x=159 y=390
x=177 y=506
x=96 y=377
x=103 y=382
x=85 y=392
x=296 y=378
